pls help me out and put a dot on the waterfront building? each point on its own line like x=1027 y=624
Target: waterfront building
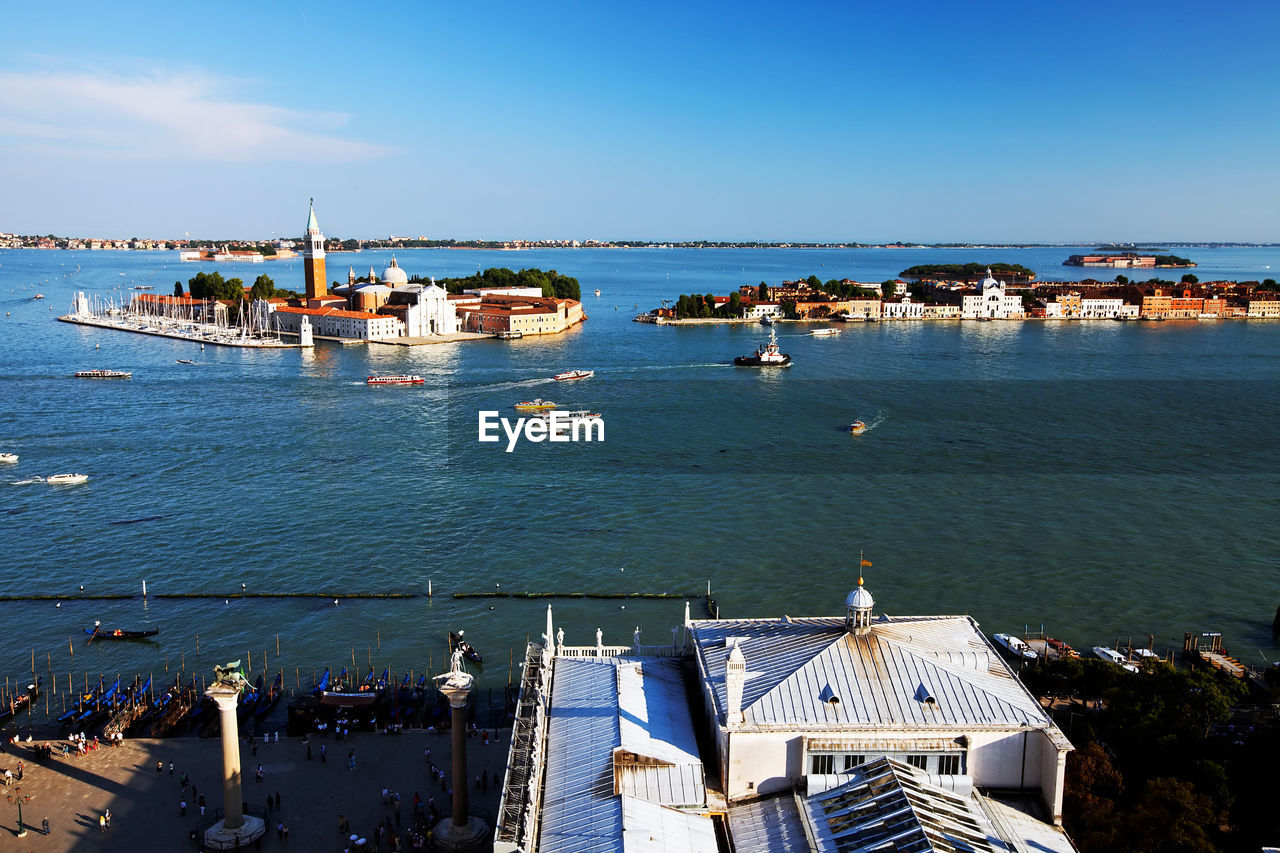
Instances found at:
x=331 y=322
x=482 y=292
x=542 y=315
x=313 y=258
x=991 y=301
x=1105 y=308
x=867 y=309
x=1265 y=307
x=801 y=716
x=940 y=311
x=902 y=308
x=757 y=310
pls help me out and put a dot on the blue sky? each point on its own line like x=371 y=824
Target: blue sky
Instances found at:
x=663 y=121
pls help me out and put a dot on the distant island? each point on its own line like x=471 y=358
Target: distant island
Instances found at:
x=971 y=272
x=947 y=292
x=1127 y=260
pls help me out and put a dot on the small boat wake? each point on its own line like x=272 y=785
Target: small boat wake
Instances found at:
x=29 y=481
x=645 y=368
x=866 y=426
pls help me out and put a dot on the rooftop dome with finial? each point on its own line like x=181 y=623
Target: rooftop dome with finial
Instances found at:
x=857 y=615
x=860 y=599
x=393 y=275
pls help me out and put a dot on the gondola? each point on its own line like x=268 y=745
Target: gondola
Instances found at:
x=468 y=650
x=22 y=700
x=97 y=633
x=270 y=699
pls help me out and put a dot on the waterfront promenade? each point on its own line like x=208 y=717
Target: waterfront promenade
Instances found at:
x=73 y=792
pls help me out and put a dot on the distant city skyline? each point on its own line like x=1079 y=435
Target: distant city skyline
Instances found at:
x=992 y=123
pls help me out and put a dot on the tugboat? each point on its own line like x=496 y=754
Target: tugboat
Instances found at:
x=766 y=355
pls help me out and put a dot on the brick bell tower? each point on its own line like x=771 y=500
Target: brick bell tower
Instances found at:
x=313 y=258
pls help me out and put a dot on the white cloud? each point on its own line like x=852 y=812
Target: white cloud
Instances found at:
x=159 y=116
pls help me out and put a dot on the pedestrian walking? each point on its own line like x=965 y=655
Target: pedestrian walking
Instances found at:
x=159 y=767
x=44 y=826
x=259 y=773
x=170 y=768
x=280 y=830
x=182 y=807
x=275 y=737
x=322 y=753
x=102 y=823
x=277 y=801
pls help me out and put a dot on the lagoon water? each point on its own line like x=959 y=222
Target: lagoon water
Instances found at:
x=1103 y=479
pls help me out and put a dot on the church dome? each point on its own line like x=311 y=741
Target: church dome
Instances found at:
x=393 y=275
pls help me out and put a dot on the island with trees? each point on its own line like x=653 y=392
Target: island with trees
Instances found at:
x=551 y=283
x=969 y=273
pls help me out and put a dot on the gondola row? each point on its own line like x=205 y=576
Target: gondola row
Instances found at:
x=345 y=700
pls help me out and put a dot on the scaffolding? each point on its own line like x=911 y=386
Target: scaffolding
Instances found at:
x=521 y=790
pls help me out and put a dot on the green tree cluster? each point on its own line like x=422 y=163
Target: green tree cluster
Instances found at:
x=551 y=283
x=211 y=285
x=1147 y=775
x=700 y=305
x=966 y=271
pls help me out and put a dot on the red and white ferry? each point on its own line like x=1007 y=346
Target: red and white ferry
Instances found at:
x=574 y=374
x=395 y=379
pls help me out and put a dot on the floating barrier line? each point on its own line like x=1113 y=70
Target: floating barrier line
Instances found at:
x=77 y=597
x=285 y=595
x=223 y=595
x=697 y=595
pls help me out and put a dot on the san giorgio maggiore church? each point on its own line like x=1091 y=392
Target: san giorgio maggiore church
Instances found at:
x=390 y=306
x=390 y=309
x=823 y=734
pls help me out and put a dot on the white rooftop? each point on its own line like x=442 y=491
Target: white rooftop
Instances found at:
x=918 y=672
x=620 y=753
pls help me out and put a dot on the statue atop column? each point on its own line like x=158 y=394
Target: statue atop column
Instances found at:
x=230 y=675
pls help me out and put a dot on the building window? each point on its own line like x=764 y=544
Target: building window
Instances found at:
x=920 y=761
x=948 y=765
x=824 y=764
x=852 y=761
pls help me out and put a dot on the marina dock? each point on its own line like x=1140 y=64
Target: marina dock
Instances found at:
x=200 y=333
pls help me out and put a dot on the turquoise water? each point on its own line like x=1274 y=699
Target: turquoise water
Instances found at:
x=1104 y=479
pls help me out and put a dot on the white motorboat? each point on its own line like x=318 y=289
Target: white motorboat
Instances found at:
x=1113 y=656
x=574 y=374
x=8 y=458
x=1015 y=646
x=824 y=332
x=67 y=479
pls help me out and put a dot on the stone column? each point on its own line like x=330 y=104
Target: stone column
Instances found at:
x=232 y=799
x=460 y=830
x=458 y=709
x=236 y=829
